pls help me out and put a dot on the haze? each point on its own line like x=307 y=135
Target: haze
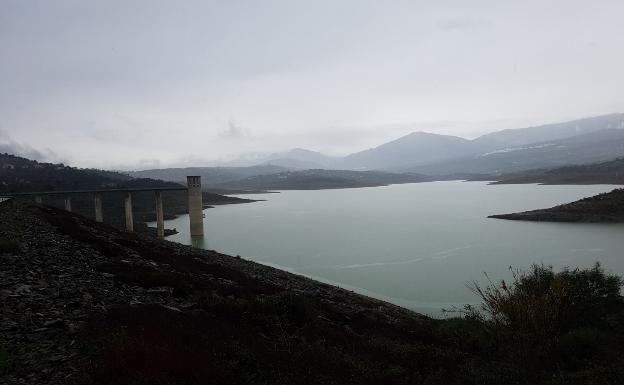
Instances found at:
x=138 y=84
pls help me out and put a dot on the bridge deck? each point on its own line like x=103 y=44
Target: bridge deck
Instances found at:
x=99 y=191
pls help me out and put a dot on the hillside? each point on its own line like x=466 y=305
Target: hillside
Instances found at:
x=593 y=147
x=211 y=176
x=321 y=179
x=607 y=207
x=413 y=149
x=19 y=174
x=611 y=172
x=548 y=132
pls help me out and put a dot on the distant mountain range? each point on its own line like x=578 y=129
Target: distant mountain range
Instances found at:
x=582 y=141
x=579 y=151
x=441 y=154
x=435 y=154
x=597 y=146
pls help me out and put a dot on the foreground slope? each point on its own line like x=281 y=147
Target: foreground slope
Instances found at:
x=84 y=302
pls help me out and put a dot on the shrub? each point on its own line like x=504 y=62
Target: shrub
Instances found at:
x=545 y=303
x=548 y=319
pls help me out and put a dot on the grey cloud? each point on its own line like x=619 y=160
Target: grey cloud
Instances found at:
x=233 y=131
x=463 y=24
x=114 y=82
x=10 y=146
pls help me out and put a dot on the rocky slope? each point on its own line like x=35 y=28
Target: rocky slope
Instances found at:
x=85 y=303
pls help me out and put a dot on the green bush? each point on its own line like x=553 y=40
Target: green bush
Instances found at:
x=544 y=303
x=550 y=320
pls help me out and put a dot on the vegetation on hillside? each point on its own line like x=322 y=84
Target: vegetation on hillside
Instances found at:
x=611 y=172
x=20 y=175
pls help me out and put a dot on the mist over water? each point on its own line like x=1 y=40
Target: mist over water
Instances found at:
x=416 y=245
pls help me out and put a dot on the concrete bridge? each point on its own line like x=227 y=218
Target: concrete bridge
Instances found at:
x=195 y=203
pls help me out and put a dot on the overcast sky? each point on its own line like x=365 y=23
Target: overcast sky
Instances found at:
x=133 y=84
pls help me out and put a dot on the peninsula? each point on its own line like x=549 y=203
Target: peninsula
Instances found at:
x=607 y=207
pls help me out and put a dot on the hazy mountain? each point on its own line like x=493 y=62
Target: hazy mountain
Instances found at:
x=303 y=155
x=297 y=158
x=321 y=179
x=420 y=148
x=548 y=132
x=210 y=175
x=295 y=164
x=576 y=142
x=410 y=150
x=596 y=146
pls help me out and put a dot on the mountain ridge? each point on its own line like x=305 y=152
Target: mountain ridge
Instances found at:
x=420 y=148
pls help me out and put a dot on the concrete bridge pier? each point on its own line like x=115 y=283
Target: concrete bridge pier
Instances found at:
x=195 y=205
x=160 y=217
x=68 y=204
x=99 y=214
x=128 y=207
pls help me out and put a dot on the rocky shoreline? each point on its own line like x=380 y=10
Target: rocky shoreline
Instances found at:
x=605 y=208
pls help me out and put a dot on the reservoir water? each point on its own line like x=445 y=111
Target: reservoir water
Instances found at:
x=416 y=245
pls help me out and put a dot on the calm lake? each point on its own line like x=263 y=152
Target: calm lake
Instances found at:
x=415 y=245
